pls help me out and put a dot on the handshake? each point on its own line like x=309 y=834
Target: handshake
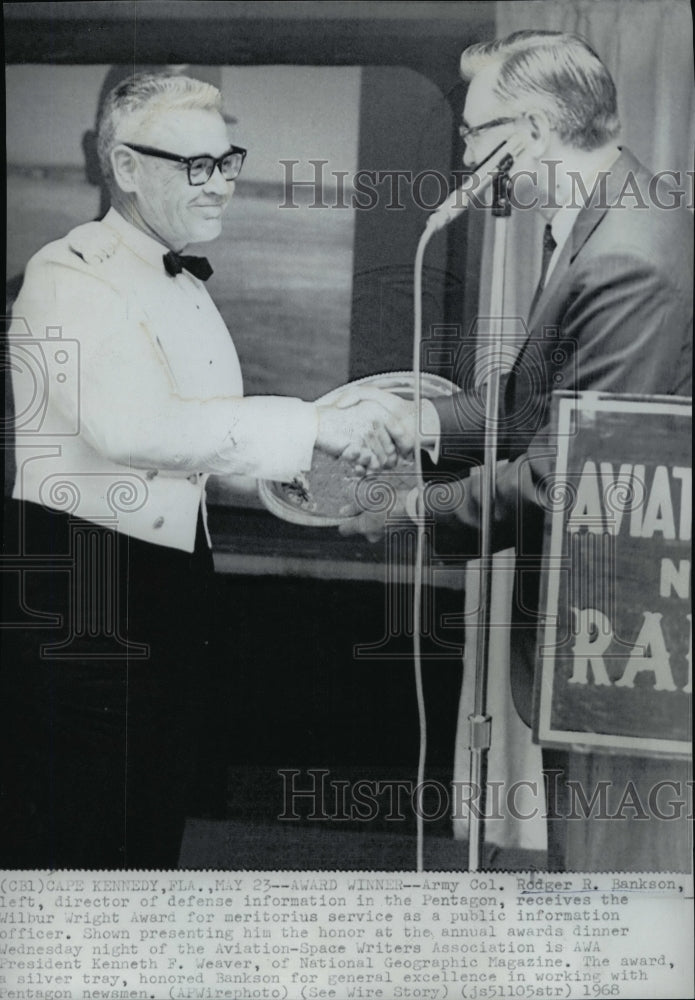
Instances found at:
x=368 y=427
x=371 y=428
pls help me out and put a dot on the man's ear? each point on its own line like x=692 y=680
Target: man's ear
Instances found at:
x=125 y=168
x=538 y=131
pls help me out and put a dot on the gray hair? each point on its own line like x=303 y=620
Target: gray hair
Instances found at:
x=561 y=74
x=137 y=97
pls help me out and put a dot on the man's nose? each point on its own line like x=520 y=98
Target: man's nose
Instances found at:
x=216 y=184
x=468 y=158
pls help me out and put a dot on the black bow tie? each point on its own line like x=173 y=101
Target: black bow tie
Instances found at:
x=199 y=267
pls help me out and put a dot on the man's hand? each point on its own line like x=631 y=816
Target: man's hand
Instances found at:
x=394 y=421
x=398 y=416
x=372 y=523
x=361 y=432
x=367 y=426
x=403 y=426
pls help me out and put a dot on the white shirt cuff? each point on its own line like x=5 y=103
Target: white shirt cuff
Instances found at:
x=430 y=429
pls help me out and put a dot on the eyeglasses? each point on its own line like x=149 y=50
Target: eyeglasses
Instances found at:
x=200 y=168
x=467 y=133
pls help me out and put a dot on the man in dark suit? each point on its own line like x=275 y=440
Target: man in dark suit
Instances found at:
x=613 y=309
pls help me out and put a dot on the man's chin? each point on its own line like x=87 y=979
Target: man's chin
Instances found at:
x=205 y=230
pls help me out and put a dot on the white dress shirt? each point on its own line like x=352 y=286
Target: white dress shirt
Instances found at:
x=128 y=392
x=563 y=221
x=561 y=226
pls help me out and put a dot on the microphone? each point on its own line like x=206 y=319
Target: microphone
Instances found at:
x=457 y=202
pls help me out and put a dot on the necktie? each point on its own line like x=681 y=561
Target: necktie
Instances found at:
x=549 y=245
x=174 y=263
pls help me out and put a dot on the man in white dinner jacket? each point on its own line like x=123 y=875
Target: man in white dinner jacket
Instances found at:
x=128 y=394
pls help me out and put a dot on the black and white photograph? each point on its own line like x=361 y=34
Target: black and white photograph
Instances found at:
x=347 y=357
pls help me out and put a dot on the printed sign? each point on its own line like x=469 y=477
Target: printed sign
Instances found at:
x=615 y=667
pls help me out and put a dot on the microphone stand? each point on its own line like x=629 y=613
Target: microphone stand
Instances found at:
x=480 y=722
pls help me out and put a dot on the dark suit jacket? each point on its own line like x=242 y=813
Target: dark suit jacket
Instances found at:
x=615 y=316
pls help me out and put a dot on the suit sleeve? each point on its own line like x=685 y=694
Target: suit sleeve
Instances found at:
x=129 y=408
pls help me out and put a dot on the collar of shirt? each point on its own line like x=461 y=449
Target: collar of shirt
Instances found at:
x=564 y=219
x=146 y=247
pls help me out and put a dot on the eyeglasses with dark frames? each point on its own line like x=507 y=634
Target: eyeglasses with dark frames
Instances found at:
x=200 y=168
x=467 y=133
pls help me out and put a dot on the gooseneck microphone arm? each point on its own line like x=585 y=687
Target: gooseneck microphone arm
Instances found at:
x=459 y=199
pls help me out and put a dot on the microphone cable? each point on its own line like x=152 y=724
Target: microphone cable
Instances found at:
x=439 y=218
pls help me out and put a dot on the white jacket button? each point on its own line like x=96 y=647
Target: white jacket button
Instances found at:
x=158 y=523
x=193 y=479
